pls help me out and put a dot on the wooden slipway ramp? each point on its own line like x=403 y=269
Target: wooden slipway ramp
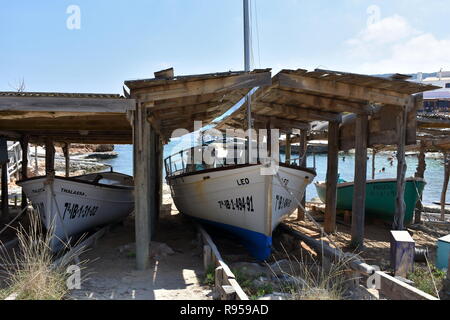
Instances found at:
x=176 y=266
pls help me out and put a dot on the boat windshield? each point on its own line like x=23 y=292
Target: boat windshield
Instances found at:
x=215 y=154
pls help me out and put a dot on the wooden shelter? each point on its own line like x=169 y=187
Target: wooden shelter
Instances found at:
x=155 y=107
x=433 y=134
x=385 y=111
x=47 y=118
x=164 y=104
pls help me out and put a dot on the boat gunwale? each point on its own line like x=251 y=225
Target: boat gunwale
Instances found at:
x=234 y=167
x=74 y=179
x=349 y=184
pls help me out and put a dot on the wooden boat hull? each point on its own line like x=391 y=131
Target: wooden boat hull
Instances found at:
x=241 y=200
x=70 y=206
x=380 y=197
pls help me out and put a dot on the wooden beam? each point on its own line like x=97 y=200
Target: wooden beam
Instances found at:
x=342 y=90
x=374 y=155
x=59 y=104
x=445 y=184
x=288 y=151
x=176 y=89
x=4 y=186
x=24 y=146
x=332 y=177
x=49 y=157
x=359 y=191
x=303 y=163
x=283 y=124
x=420 y=173
x=141 y=165
x=395 y=289
x=66 y=151
x=296 y=111
x=400 y=206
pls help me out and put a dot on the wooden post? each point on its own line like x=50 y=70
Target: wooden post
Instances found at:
x=374 y=154
x=4 y=177
x=303 y=163
x=24 y=146
x=332 y=177
x=66 y=149
x=141 y=148
x=4 y=185
x=288 y=149
x=152 y=196
x=420 y=173
x=49 y=157
x=445 y=185
x=36 y=163
x=159 y=182
x=399 y=218
x=402 y=253
x=359 y=192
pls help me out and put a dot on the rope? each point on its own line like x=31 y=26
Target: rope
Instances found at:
x=322 y=231
x=13 y=220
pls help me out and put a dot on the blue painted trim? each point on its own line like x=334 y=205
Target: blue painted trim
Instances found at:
x=259 y=245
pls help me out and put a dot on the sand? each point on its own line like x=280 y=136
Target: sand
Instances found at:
x=111 y=272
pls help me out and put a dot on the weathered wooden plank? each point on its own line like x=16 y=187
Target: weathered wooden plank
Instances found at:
x=66 y=151
x=59 y=104
x=49 y=157
x=395 y=289
x=343 y=90
x=176 y=89
x=400 y=205
x=24 y=172
x=359 y=192
x=141 y=146
x=299 y=112
x=332 y=177
x=445 y=184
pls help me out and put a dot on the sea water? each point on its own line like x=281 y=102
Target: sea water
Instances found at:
x=434 y=174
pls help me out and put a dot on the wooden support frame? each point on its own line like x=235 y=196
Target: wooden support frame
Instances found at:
x=66 y=151
x=51 y=104
x=303 y=163
x=420 y=173
x=344 y=90
x=24 y=172
x=445 y=184
x=184 y=87
x=400 y=205
x=359 y=193
x=49 y=157
x=142 y=173
x=4 y=185
x=332 y=177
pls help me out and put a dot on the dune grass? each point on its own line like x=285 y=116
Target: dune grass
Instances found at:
x=30 y=271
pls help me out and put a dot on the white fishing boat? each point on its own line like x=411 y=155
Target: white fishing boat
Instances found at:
x=237 y=198
x=71 y=206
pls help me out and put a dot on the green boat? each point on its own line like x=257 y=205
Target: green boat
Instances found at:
x=380 y=197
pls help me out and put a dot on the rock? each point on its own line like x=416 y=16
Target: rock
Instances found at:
x=102 y=155
x=284 y=267
x=250 y=269
x=276 y=296
x=260 y=282
x=158 y=249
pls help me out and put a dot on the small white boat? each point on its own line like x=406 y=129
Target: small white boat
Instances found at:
x=71 y=206
x=238 y=198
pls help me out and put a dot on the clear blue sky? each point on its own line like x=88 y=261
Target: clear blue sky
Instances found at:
x=121 y=40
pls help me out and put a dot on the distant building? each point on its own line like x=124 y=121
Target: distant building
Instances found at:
x=437 y=101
